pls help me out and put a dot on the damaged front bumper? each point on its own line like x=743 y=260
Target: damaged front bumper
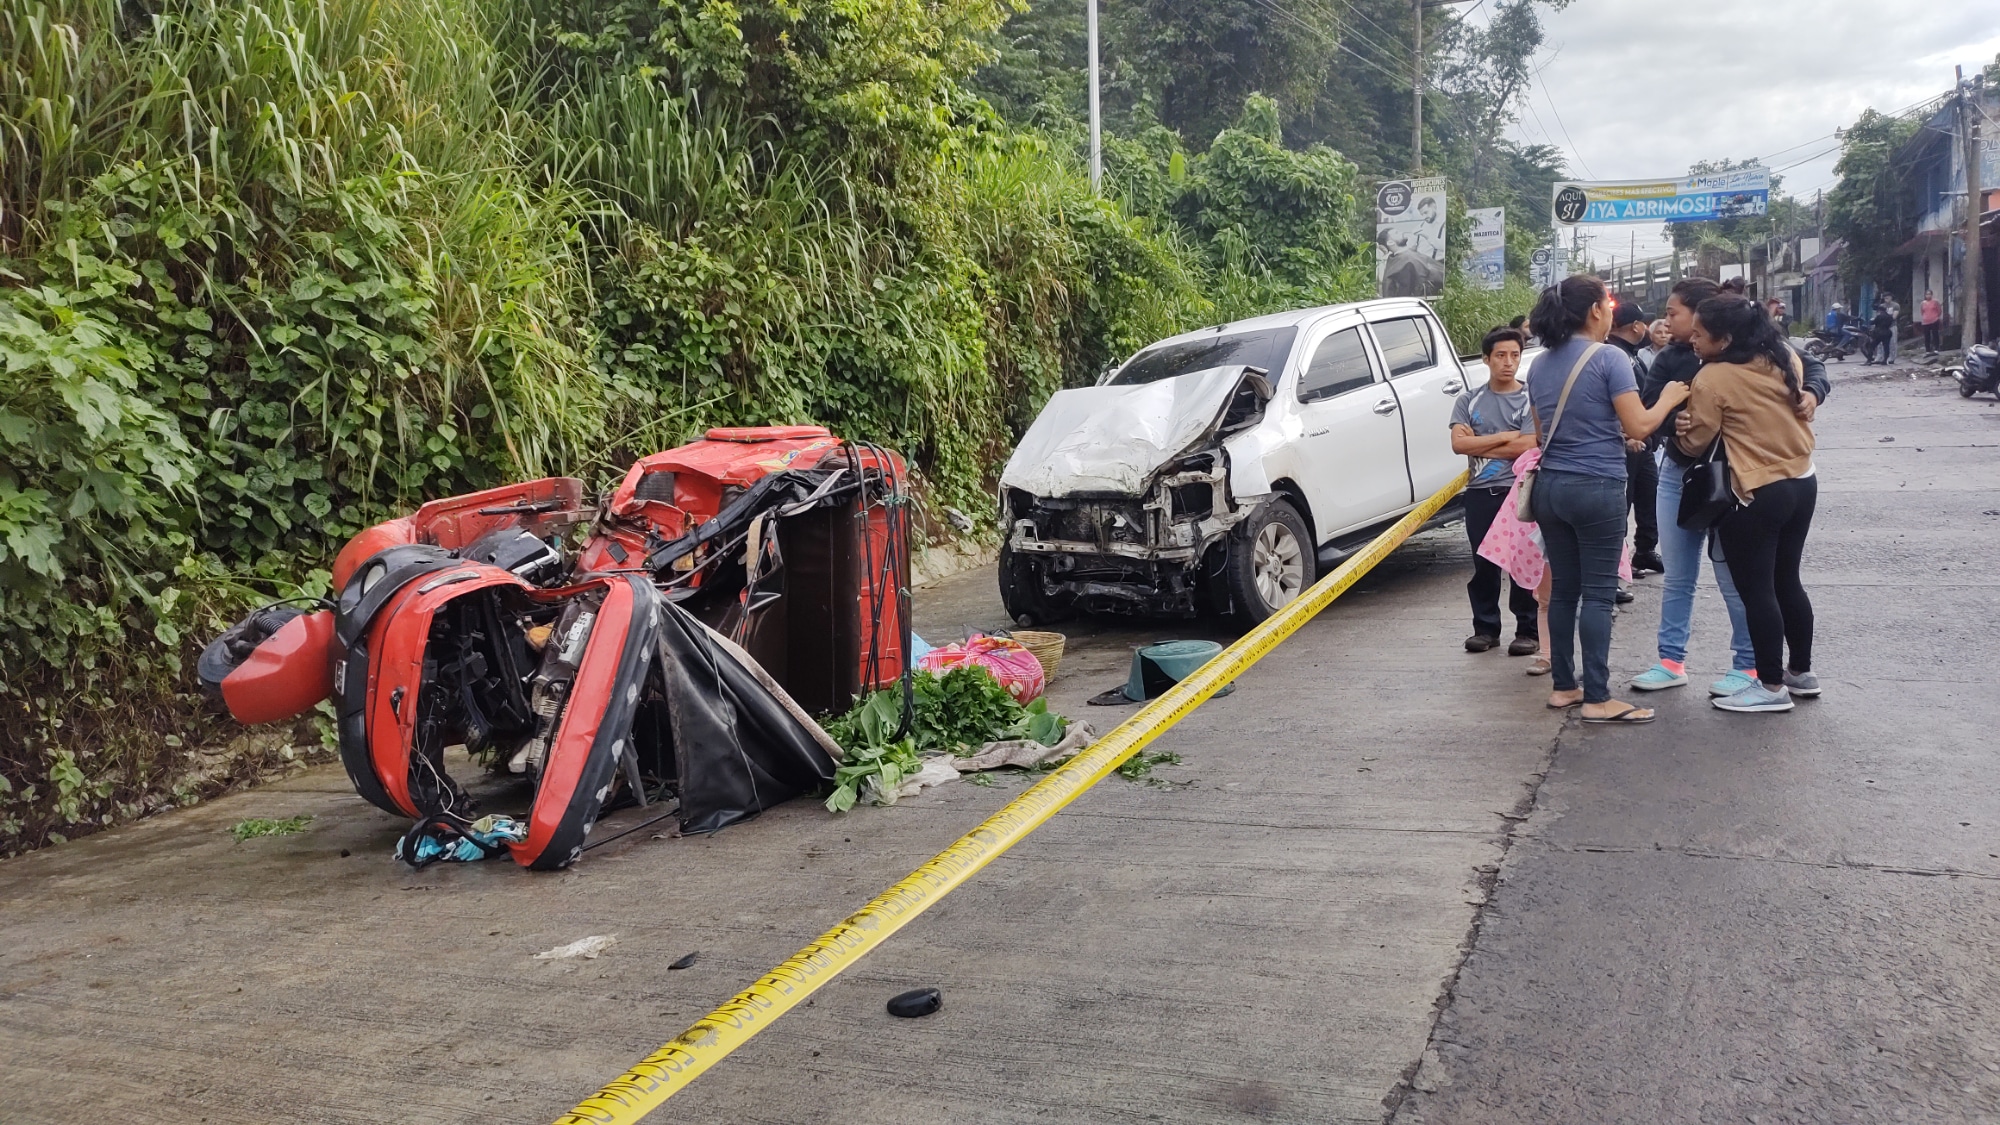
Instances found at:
x=1110 y=553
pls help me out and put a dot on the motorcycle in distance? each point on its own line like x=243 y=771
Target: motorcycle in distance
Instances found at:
x=1979 y=372
x=1830 y=345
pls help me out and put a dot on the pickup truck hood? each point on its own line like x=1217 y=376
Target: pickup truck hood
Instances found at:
x=1113 y=439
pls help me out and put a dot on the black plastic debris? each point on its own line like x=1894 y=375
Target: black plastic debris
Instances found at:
x=916 y=1002
x=684 y=962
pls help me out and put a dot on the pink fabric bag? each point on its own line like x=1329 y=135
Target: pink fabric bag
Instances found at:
x=1009 y=661
x=1515 y=546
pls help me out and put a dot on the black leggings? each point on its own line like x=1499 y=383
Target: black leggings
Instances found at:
x=1763 y=541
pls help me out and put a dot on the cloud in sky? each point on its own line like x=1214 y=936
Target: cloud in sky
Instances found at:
x=1631 y=90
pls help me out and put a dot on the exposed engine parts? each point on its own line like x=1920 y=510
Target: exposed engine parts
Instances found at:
x=726 y=591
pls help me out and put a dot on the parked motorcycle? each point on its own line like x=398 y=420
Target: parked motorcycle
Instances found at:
x=1979 y=372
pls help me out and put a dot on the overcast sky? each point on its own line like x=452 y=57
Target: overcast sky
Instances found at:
x=1619 y=76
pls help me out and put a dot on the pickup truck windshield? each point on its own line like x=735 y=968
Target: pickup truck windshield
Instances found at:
x=1265 y=349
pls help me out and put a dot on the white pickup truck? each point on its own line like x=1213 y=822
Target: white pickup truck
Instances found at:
x=1218 y=470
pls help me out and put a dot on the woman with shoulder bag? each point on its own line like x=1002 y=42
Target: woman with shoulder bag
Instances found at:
x=1586 y=406
x=1746 y=398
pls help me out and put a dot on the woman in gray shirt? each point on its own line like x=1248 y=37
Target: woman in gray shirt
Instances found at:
x=1579 y=494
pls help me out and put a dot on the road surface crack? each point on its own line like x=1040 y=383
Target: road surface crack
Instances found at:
x=1827 y=864
x=1515 y=822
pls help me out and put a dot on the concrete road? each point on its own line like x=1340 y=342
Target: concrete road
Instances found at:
x=1715 y=918
x=1775 y=918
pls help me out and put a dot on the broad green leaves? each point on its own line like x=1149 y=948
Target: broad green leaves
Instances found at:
x=957 y=712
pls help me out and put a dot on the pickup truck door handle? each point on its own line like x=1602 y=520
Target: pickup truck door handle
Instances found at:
x=1454 y=387
x=1386 y=406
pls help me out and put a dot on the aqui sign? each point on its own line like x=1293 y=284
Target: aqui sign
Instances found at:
x=1733 y=194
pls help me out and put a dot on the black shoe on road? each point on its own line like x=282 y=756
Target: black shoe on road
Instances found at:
x=1648 y=562
x=1626 y=597
x=1524 y=646
x=1480 y=642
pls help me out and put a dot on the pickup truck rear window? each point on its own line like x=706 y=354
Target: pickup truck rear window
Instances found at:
x=1264 y=349
x=1406 y=345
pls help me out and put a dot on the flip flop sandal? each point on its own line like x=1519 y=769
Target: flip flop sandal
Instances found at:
x=1539 y=668
x=1578 y=702
x=1624 y=718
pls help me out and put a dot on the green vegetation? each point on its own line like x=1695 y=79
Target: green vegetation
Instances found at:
x=251 y=829
x=958 y=712
x=271 y=270
x=1139 y=767
x=1868 y=207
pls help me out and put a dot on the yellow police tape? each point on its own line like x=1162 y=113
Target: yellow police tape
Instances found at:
x=663 y=1073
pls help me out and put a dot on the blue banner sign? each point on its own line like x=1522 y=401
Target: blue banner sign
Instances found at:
x=1736 y=193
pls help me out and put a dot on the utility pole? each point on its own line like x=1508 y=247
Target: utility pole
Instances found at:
x=1096 y=134
x=1968 y=117
x=1417 y=94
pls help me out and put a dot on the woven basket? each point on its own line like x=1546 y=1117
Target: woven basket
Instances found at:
x=1047 y=647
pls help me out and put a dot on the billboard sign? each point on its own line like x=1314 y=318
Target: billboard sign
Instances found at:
x=1547 y=265
x=1733 y=194
x=1488 y=264
x=1409 y=238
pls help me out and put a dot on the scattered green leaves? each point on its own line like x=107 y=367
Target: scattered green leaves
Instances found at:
x=958 y=712
x=1140 y=765
x=251 y=829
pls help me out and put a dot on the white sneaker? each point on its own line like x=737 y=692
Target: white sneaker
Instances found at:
x=1756 y=697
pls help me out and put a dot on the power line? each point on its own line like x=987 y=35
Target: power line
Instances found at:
x=1403 y=81
x=1809 y=159
x=1390 y=50
x=1574 y=151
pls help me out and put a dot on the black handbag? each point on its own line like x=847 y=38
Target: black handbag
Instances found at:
x=1706 y=496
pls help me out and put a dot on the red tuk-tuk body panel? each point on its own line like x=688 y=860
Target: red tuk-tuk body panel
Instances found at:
x=287 y=674
x=396 y=644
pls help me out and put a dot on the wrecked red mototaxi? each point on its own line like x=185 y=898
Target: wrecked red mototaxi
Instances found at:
x=670 y=643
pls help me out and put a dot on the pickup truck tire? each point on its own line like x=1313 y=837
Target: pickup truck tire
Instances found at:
x=1021 y=593
x=1270 y=562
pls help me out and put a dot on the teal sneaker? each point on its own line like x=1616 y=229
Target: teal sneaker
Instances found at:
x=1731 y=684
x=1756 y=698
x=1658 y=678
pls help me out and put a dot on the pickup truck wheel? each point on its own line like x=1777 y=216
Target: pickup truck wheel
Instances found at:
x=1021 y=593
x=1270 y=561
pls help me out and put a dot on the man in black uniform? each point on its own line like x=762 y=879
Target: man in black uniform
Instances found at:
x=1629 y=328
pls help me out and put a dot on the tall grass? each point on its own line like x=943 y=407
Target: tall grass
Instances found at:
x=270 y=269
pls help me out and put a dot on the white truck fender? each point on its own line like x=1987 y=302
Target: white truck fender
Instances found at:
x=1247 y=478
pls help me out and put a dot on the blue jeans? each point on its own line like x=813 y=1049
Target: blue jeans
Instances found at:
x=1682 y=550
x=1583 y=531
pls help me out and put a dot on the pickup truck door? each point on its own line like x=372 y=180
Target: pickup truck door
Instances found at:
x=1427 y=379
x=1349 y=456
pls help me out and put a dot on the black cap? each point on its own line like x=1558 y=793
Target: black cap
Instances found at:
x=1629 y=312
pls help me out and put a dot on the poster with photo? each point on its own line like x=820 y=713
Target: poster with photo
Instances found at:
x=1487 y=267
x=1548 y=265
x=1409 y=238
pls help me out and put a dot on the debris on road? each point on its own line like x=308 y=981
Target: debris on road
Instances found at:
x=1026 y=753
x=1155 y=668
x=890 y=738
x=674 y=642
x=587 y=948
x=683 y=963
x=443 y=840
x=1010 y=662
x=251 y=829
x=915 y=1003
